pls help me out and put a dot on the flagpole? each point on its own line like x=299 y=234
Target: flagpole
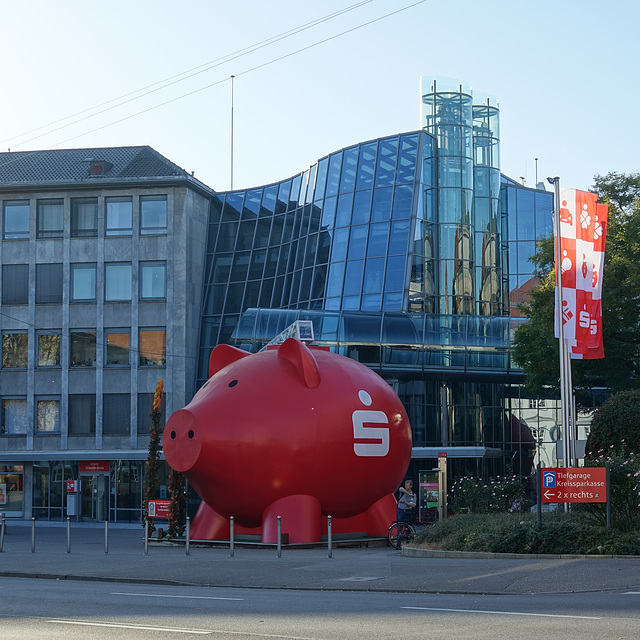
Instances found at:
x=565 y=362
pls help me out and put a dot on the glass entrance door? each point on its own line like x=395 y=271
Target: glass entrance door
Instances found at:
x=95 y=497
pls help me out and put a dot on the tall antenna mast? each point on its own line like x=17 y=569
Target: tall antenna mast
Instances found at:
x=232 y=77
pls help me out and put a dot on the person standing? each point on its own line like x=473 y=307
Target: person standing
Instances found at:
x=407 y=502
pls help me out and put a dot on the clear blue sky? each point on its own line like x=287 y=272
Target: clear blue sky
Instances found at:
x=564 y=72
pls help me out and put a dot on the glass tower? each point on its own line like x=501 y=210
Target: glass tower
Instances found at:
x=466 y=231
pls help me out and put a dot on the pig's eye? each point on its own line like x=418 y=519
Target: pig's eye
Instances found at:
x=173 y=435
x=190 y=434
x=233 y=383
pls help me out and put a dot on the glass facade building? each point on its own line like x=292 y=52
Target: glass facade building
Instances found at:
x=410 y=253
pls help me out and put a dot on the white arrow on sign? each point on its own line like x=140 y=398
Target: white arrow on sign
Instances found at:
x=549 y=494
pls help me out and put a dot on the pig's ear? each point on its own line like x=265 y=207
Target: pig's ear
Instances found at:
x=300 y=355
x=224 y=355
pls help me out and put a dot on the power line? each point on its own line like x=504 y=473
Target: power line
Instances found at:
x=241 y=73
x=181 y=77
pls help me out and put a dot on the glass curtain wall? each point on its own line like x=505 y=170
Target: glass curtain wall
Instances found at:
x=346 y=234
x=527 y=216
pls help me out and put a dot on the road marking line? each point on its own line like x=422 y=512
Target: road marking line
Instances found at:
x=504 y=613
x=129 y=626
x=113 y=625
x=632 y=593
x=160 y=595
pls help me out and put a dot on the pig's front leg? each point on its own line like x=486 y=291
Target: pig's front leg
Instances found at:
x=209 y=524
x=300 y=519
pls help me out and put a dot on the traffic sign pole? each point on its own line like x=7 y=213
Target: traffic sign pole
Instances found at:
x=539 y=496
x=608 y=497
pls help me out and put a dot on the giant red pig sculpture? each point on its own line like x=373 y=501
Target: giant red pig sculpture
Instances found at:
x=295 y=432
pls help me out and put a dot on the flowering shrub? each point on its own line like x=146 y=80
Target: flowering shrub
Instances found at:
x=624 y=485
x=475 y=495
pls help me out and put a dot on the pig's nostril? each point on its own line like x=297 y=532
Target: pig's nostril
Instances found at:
x=191 y=434
x=173 y=435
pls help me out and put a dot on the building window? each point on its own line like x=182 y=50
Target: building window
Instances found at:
x=15 y=284
x=145 y=405
x=50 y=218
x=118 y=281
x=153 y=280
x=119 y=216
x=48 y=416
x=48 y=283
x=83 y=349
x=49 y=350
x=153 y=347
x=83 y=282
x=153 y=215
x=14 y=417
x=116 y=414
x=117 y=348
x=82 y=414
x=15 y=348
x=16 y=220
x=84 y=217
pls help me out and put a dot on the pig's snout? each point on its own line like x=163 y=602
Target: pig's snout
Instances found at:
x=182 y=440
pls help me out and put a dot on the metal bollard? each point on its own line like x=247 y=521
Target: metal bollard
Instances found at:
x=106 y=536
x=146 y=537
x=3 y=526
x=329 y=536
x=33 y=535
x=279 y=536
x=231 y=535
x=188 y=537
x=68 y=534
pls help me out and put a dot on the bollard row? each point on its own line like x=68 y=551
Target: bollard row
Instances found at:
x=146 y=536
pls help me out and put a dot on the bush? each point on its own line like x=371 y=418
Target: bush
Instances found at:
x=493 y=496
x=624 y=487
x=518 y=533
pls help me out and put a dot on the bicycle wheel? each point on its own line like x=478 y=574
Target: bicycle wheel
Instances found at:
x=408 y=534
x=400 y=533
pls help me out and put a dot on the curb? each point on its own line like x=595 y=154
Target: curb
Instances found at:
x=415 y=552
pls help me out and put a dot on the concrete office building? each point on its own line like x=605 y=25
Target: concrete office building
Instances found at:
x=408 y=252
x=101 y=266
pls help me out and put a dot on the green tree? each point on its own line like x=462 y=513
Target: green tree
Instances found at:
x=536 y=348
x=178 y=505
x=616 y=426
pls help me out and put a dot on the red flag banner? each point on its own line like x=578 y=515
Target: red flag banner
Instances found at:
x=582 y=240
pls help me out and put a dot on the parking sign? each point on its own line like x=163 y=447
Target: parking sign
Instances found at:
x=584 y=484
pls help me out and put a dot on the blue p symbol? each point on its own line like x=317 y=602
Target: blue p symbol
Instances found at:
x=549 y=479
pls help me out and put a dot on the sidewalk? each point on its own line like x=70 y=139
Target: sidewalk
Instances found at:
x=377 y=567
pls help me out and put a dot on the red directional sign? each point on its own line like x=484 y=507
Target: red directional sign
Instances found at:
x=585 y=484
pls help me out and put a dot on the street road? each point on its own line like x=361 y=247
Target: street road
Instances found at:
x=93 y=610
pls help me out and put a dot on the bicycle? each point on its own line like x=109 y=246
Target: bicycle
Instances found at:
x=399 y=533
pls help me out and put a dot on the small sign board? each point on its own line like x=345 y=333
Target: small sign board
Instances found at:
x=584 y=484
x=94 y=466
x=159 y=509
